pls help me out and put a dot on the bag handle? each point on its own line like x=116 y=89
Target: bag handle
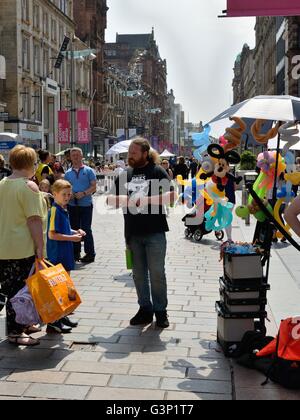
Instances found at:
x=42 y=262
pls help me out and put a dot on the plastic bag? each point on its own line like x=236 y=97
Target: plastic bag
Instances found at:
x=23 y=305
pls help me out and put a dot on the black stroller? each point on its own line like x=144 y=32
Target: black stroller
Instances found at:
x=195 y=229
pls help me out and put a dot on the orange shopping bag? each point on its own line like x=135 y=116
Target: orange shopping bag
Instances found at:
x=52 y=291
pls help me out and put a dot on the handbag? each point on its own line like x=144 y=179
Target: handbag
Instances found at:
x=23 y=305
x=52 y=291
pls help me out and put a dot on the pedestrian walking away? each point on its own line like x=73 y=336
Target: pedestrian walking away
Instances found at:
x=83 y=180
x=142 y=191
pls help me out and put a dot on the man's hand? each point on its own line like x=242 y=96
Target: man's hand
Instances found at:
x=79 y=195
x=81 y=232
x=143 y=202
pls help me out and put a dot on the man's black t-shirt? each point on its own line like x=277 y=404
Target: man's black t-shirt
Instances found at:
x=4 y=173
x=151 y=181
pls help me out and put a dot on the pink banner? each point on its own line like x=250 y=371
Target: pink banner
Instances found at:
x=237 y=8
x=64 y=132
x=83 y=127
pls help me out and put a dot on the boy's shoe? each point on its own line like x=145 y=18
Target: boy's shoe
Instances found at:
x=66 y=321
x=143 y=317
x=87 y=259
x=162 y=319
x=58 y=327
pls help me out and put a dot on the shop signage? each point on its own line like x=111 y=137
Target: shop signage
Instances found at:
x=236 y=8
x=51 y=87
x=7 y=145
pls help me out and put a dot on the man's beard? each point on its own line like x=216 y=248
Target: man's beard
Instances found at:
x=137 y=163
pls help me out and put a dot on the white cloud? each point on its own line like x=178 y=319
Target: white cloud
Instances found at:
x=200 y=48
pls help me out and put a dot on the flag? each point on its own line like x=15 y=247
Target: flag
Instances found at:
x=64 y=127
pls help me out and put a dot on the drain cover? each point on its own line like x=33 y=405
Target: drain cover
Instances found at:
x=78 y=346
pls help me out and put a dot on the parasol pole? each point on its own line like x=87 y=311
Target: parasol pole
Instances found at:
x=274 y=196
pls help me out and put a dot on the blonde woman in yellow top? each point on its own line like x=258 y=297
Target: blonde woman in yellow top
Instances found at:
x=23 y=216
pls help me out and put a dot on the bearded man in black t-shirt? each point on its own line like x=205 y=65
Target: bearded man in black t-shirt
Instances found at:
x=143 y=191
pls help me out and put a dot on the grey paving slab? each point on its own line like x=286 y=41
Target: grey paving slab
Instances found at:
x=115 y=394
x=13 y=388
x=49 y=391
x=91 y=379
x=130 y=381
x=92 y=367
x=38 y=376
x=192 y=396
x=200 y=386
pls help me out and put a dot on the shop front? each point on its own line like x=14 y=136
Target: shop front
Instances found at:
x=32 y=136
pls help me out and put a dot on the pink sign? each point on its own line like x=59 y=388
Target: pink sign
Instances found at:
x=237 y=8
x=64 y=127
x=83 y=127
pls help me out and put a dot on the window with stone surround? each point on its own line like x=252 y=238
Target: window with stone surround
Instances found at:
x=36 y=17
x=37 y=59
x=53 y=30
x=45 y=62
x=37 y=112
x=46 y=24
x=26 y=53
x=26 y=103
x=25 y=10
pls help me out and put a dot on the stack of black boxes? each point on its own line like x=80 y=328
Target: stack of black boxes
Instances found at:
x=243 y=299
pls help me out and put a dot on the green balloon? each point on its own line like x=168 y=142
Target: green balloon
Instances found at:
x=242 y=212
x=260 y=216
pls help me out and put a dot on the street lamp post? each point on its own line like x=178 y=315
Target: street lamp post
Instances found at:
x=126 y=113
x=73 y=96
x=89 y=54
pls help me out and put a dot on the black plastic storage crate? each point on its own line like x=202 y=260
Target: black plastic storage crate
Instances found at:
x=233 y=326
x=243 y=267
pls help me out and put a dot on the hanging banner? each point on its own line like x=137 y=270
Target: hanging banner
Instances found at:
x=83 y=127
x=64 y=132
x=237 y=8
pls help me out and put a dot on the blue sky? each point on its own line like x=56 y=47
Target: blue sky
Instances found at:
x=200 y=48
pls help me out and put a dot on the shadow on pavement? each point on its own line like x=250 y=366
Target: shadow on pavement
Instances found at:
x=21 y=358
x=209 y=375
x=125 y=278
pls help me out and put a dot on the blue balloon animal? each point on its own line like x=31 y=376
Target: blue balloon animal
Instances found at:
x=202 y=141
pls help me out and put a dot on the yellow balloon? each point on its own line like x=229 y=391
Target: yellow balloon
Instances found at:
x=287 y=228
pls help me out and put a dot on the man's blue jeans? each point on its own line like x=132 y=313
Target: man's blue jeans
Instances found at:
x=149 y=254
x=81 y=218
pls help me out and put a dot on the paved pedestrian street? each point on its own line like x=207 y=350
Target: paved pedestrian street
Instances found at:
x=106 y=359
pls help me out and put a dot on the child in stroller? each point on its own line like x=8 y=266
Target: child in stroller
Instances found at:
x=195 y=229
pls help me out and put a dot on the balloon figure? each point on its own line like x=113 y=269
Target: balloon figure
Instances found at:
x=219 y=216
x=202 y=141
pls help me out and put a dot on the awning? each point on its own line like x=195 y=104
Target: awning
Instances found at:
x=237 y=8
x=2 y=68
